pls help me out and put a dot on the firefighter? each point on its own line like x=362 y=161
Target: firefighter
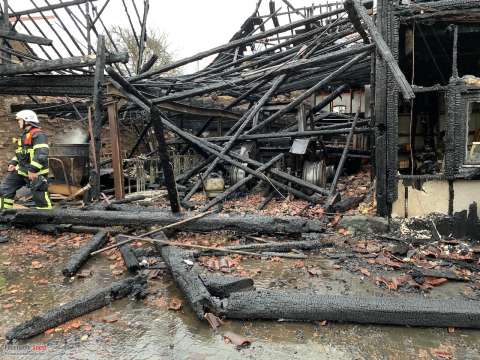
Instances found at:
x=29 y=166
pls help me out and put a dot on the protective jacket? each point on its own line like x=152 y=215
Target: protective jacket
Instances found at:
x=32 y=152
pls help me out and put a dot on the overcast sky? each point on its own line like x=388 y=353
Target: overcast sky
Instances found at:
x=190 y=25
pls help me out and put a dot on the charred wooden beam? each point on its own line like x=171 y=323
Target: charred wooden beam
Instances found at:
x=46 y=90
x=292 y=135
x=333 y=186
x=277 y=70
x=117 y=161
x=449 y=16
x=455 y=53
x=149 y=63
x=334 y=197
x=140 y=139
x=382 y=123
x=73 y=309
x=58 y=64
x=304 y=306
x=195 y=110
x=6 y=27
x=143 y=35
x=278 y=247
x=169 y=176
x=241 y=223
x=13 y=35
x=83 y=254
x=383 y=49
x=266 y=200
x=296 y=39
x=50 y=108
x=348 y=203
x=187 y=278
x=34 y=81
x=355 y=19
x=156 y=119
x=98 y=116
x=49 y=8
x=79 y=229
x=339 y=127
x=128 y=255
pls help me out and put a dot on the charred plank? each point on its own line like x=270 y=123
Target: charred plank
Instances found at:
x=129 y=256
x=73 y=309
x=303 y=306
x=241 y=223
x=187 y=278
x=48 y=8
x=13 y=35
x=83 y=254
x=59 y=64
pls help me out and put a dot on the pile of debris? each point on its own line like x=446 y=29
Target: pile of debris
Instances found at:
x=280 y=138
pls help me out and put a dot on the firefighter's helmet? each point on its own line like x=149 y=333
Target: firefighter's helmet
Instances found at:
x=29 y=117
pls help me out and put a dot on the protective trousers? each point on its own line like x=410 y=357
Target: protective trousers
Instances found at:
x=13 y=181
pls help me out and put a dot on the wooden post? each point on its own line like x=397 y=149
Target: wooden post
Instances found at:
x=117 y=161
x=156 y=119
x=455 y=53
x=98 y=114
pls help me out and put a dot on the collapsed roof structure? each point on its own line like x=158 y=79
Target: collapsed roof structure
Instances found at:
x=317 y=51
x=266 y=109
x=324 y=49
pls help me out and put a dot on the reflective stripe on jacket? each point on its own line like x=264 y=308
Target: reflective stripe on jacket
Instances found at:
x=32 y=153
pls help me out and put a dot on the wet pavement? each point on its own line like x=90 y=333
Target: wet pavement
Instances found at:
x=31 y=282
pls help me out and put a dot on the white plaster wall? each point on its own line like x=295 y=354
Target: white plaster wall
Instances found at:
x=433 y=198
x=466 y=192
x=398 y=207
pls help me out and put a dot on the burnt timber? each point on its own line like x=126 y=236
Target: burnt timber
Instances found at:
x=242 y=223
x=322 y=93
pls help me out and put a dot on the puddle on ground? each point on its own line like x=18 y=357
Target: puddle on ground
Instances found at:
x=143 y=330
